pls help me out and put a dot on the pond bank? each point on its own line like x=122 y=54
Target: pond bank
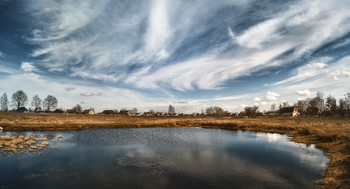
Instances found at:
x=331 y=135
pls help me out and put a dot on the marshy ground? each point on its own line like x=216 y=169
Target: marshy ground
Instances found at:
x=329 y=134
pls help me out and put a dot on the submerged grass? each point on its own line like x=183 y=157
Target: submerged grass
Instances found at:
x=330 y=134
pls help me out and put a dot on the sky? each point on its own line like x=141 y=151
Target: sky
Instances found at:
x=192 y=54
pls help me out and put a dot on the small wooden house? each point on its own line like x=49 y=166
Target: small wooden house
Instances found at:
x=125 y=112
x=290 y=111
x=89 y=111
x=109 y=112
x=147 y=114
x=21 y=110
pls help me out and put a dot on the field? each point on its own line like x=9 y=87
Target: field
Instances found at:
x=329 y=134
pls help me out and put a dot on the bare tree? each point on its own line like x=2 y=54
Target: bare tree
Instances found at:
x=36 y=103
x=77 y=109
x=347 y=101
x=50 y=102
x=285 y=104
x=4 y=102
x=273 y=107
x=342 y=107
x=19 y=99
x=331 y=104
x=215 y=111
x=171 y=110
x=319 y=101
x=251 y=111
x=134 y=111
x=302 y=106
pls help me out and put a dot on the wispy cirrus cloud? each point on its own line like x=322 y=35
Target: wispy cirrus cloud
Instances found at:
x=153 y=32
x=162 y=48
x=228 y=98
x=322 y=80
x=88 y=94
x=305 y=72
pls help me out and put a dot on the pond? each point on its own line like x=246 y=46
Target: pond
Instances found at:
x=163 y=158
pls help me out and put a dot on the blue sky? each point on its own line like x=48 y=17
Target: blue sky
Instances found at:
x=111 y=54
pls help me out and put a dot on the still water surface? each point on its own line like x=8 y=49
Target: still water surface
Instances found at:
x=163 y=158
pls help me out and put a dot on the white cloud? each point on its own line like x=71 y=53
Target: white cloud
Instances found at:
x=305 y=92
x=305 y=72
x=68 y=89
x=342 y=44
x=88 y=94
x=6 y=69
x=69 y=16
x=318 y=65
x=231 y=34
x=130 y=43
x=229 y=98
x=257 y=99
x=28 y=67
x=258 y=35
x=159 y=30
x=271 y=96
x=339 y=73
x=96 y=76
x=31 y=76
x=323 y=81
x=109 y=46
x=300 y=98
x=111 y=98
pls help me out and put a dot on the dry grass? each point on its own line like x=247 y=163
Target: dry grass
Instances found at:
x=330 y=134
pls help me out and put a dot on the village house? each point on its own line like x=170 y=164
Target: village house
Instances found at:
x=159 y=114
x=21 y=110
x=89 y=111
x=290 y=111
x=147 y=114
x=109 y=112
x=125 y=112
x=271 y=113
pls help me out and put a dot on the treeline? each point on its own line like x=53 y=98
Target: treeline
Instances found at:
x=20 y=99
x=319 y=105
x=328 y=106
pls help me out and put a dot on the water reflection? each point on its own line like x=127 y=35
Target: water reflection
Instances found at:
x=164 y=158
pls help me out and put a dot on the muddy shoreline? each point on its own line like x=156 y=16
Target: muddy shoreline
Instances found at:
x=329 y=134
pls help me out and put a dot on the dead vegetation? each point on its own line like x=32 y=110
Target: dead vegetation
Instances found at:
x=330 y=134
x=20 y=143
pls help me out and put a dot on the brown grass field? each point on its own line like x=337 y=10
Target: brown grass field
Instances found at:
x=329 y=134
